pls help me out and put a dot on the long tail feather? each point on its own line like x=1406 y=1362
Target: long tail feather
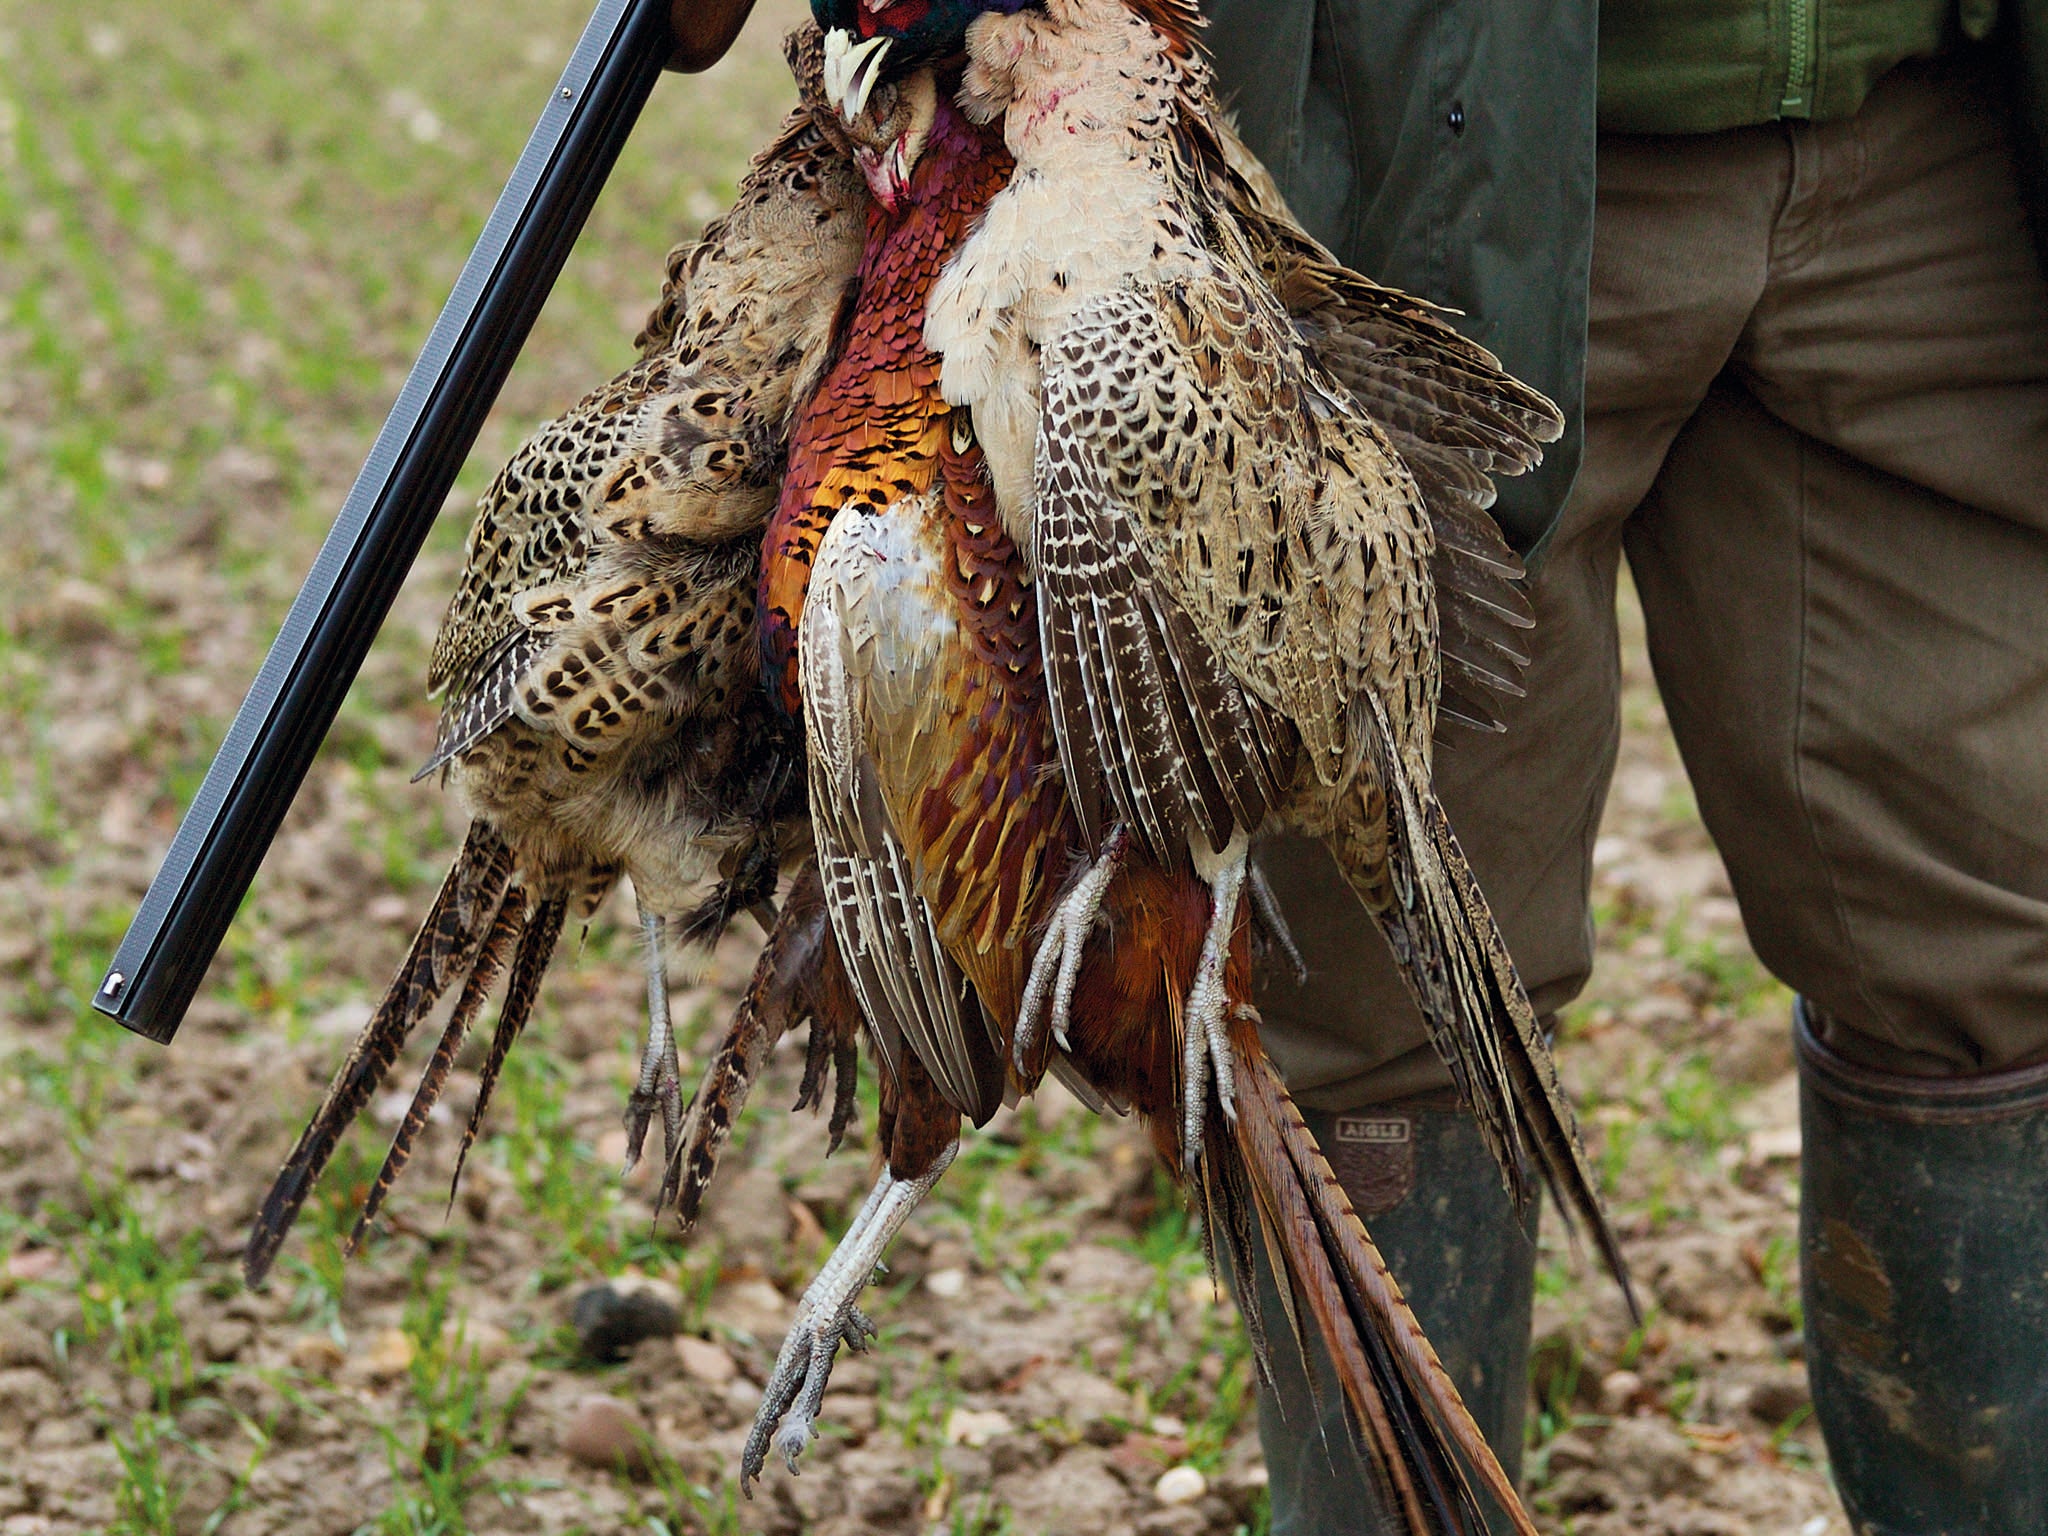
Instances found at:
x=788 y=983
x=1452 y=956
x=444 y=951
x=536 y=948
x=496 y=949
x=1412 y=1421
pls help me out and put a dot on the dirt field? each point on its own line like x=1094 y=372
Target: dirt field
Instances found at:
x=223 y=230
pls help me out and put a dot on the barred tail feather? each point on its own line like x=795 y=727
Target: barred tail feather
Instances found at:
x=1412 y=1424
x=444 y=951
x=1452 y=956
x=796 y=976
x=491 y=956
x=542 y=931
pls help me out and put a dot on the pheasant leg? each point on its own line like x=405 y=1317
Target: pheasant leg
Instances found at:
x=661 y=1079
x=1057 y=965
x=1267 y=905
x=1207 y=1045
x=827 y=1318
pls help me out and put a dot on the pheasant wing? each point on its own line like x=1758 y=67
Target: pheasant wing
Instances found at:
x=689 y=442
x=1224 y=543
x=879 y=646
x=1455 y=417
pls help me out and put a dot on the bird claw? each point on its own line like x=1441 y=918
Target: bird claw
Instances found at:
x=1267 y=905
x=1056 y=967
x=788 y=1418
x=666 y=1098
x=826 y=1318
x=661 y=1074
x=1207 y=1046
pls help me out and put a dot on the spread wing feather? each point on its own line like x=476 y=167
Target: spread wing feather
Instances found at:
x=1456 y=418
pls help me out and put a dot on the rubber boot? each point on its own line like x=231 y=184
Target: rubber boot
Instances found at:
x=1431 y=1196
x=1923 y=1235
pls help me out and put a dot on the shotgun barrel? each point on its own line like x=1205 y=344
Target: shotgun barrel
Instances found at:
x=355 y=577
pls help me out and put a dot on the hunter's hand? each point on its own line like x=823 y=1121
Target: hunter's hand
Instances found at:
x=704 y=30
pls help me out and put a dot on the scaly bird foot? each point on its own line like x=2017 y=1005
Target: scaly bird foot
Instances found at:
x=661 y=1077
x=1267 y=905
x=827 y=1318
x=1057 y=965
x=1207 y=1045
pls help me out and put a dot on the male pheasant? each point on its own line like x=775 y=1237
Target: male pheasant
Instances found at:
x=904 y=732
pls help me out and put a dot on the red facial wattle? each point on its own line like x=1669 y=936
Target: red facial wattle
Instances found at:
x=894 y=18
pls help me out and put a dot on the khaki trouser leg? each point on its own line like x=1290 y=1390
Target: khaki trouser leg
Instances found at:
x=1817 y=423
x=1817 y=418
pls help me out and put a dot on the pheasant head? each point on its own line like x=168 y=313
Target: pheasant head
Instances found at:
x=907 y=33
x=872 y=47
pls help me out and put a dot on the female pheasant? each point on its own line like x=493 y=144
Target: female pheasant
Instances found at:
x=600 y=667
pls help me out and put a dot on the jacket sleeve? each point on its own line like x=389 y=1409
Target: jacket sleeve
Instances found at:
x=1444 y=147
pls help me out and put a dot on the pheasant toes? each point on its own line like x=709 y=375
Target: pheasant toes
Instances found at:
x=827 y=1318
x=1057 y=965
x=1207 y=1046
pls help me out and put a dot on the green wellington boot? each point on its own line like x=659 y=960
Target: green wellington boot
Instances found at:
x=1923 y=1236
x=1431 y=1196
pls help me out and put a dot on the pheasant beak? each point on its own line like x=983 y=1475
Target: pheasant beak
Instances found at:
x=852 y=70
x=888 y=166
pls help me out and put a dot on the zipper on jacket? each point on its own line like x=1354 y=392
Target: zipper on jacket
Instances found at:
x=1801 y=26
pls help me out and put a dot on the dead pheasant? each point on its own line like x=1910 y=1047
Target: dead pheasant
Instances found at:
x=603 y=713
x=937 y=822
x=1239 y=599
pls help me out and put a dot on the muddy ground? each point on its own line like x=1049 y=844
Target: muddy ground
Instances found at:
x=221 y=238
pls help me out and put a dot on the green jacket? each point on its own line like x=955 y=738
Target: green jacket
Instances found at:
x=1446 y=147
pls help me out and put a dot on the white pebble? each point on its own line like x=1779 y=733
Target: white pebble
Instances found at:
x=946 y=1284
x=1180 y=1485
x=968 y=1426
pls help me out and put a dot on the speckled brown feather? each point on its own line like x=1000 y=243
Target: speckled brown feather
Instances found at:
x=797 y=977
x=600 y=659
x=1240 y=458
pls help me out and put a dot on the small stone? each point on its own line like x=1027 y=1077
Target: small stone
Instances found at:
x=21 y=1345
x=970 y=1426
x=752 y=1308
x=316 y=1354
x=854 y=1417
x=1180 y=1485
x=1776 y=1400
x=390 y=911
x=390 y=1354
x=1175 y=1520
x=609 y=1323
x=473 y=1339
x=704 y=1361
x=744 y=1396
x=604 y=1432
x=77 y=611
x=34 y=1263
x=946 y=1284
x=225 y=1338
x=1620 y=1391
x=1773 y=1144
x=1649 y=1456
